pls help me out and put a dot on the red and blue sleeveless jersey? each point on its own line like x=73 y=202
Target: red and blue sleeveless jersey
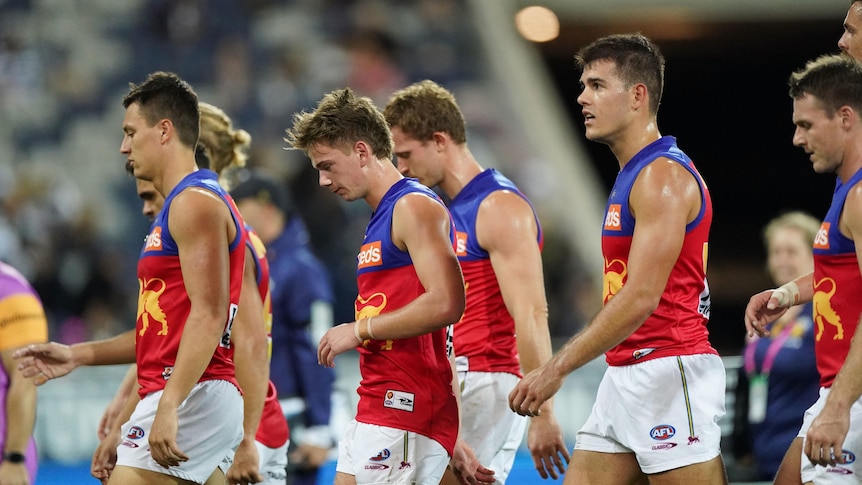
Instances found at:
x=407 y=383
x=678 y=324
x=837 y=286
x=163 y=304
x=484 y=339
x=272 y=431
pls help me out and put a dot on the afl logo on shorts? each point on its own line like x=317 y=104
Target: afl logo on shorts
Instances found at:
x=848 y=456
x=662 y=432
x=135 y=433
x=382 y=456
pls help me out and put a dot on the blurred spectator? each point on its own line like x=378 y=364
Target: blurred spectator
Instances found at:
x=779 y=378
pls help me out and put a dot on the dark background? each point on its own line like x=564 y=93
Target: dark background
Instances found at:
x=726 y=101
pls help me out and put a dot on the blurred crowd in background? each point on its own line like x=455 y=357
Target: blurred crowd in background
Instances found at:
x=69 y=218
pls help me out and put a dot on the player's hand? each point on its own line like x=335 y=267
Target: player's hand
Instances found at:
x=163 y=438
x=762 y=309
x=105 y=456
x=466 y=466
x=43 y=362
x=109 y=417
x=546 y=445
x=14 y=474
x=245 y=468
x=336 y=340
x=825 y=438
x=308 y=456
x=534 y=389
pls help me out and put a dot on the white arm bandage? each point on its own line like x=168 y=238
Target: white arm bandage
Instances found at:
x=787 y=294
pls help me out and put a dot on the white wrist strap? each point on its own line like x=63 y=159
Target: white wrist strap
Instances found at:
x=787 y=295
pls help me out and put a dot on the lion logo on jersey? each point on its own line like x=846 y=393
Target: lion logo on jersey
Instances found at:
x=148 y=306
x=369 y=307
x=823 y=311
x=615 y=273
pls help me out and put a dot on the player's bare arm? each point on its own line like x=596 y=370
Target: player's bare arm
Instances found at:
x=105 y=457
x=823 y=443
x=118 y=402
x=252 y=373
x=421 y=226
x=764 y=307
x=46 y=361
x=506 y=228
x=665 y=197
x=20 y=418
x=202 y=227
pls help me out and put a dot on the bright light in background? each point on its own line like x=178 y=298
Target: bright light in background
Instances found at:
x=537 y=24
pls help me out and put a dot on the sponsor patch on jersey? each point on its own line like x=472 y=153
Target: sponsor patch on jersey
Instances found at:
x=460 y=243
x=154 y=240
x=613 y=218
x=821 y=240
x=662 y=432
x=369 y=255
x=399 y=400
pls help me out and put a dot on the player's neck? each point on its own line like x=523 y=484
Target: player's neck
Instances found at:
x=633 y=140
x=461 y=168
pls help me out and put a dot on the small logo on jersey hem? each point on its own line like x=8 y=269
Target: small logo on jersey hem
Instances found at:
x=637 y=354
x=399 y=400
x=663 y=446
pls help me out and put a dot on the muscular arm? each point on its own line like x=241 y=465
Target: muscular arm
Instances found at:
x=20 y=406
x=664 y=198
x=506 y=228
x=46 y=361
x=828 y=430
x=202 y=228
x=420 y=226
x=252 y=368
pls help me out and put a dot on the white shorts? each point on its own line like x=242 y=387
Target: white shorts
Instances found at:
x=487 y=424
x=209 y=427
x=377 y=455
x=842 y=473
x=273 y=463
x=665 y=411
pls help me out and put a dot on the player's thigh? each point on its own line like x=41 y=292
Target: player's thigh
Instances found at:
x=596 y=468
x=125 y=475
x=491 y=429
x=705 y=473
x=344 y=479
x=791 y=464
x=842 y=473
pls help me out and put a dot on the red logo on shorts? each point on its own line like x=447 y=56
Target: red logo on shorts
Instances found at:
x=693 y=439
x=383 y=455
